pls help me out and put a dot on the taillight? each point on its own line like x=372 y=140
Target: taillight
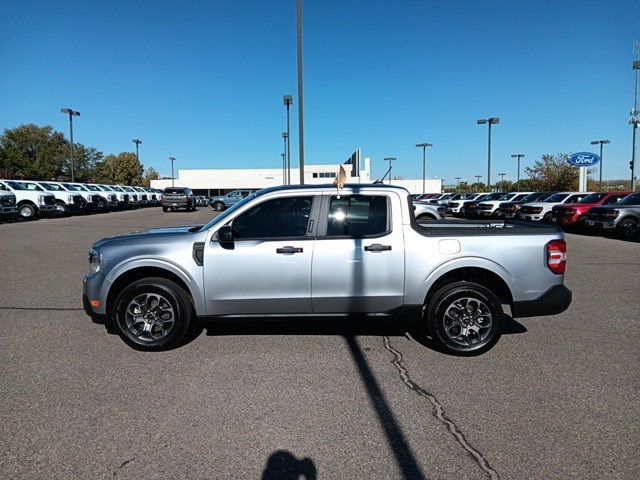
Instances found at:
x=557 y=256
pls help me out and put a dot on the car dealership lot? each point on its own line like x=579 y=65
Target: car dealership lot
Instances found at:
x=558 y=397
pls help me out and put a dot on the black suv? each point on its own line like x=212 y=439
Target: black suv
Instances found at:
x=174 y=198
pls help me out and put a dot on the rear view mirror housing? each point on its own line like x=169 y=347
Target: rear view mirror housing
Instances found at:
x=225 y=235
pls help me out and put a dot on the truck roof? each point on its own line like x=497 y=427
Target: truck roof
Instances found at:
x=330 y=186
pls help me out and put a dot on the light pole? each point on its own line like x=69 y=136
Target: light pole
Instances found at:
x=300 y=95
x=458 y=184
x=489 y=121
x=634 y=120
x=173 y=159
x=502 y=177
x=284 y=167
x=424 y=162
x=518 y=156
x=287 y=166
x=390 y=159
x=71 y=114
x=478 y=177
x=137 y=142
x=601 y=142
x=288 y=102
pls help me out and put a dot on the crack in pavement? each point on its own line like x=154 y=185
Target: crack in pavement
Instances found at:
x=439 y=413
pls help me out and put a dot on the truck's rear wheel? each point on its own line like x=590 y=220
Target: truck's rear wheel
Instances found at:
x=464 y=318
x=152 y=314
x=218 y=206
x=627 y=228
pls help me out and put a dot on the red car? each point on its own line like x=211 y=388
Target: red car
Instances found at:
x=572 y=215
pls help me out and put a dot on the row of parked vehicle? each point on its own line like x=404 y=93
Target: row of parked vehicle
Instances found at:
x=30 y=199
x=616 y=212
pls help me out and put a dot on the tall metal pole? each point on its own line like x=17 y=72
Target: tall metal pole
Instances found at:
x=634 y=120
x=633 y=157
x=284 y=168
x=518 y=156
x=489 y=159
x=284 y=164
x=172 y=177
x=71 y=136
x=300 y=95
x=137 y=142
x=600 y=180
x=424 y=162
x=288 y=150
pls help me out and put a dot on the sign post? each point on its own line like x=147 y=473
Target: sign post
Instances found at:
x=583 y=160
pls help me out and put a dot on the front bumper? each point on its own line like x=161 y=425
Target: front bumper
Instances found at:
x=554 y=301
x=602 y=224
x=48 y=209
x=530 y=217
x=9 y=210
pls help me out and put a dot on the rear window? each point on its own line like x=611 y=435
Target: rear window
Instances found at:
x=179 y=191
x=358 y=216
x=633 y=199
x=558 y=197
x=593 y=198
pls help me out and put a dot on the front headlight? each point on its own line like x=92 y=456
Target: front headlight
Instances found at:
x=95 y=261
x=70 y=199
x=41 y=199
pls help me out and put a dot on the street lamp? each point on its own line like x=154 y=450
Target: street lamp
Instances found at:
x=518 y=156
x=288 y=101
x=137 y=142
x=424 y=162
x=390 y=159
x=634 y=120
x=300 y=95
x=502 y=177
x=284 y=167
x=489 y=121
x=173 y=159
x=478 y=177
x=71 y=114
x=601 y=142
x=458 y=184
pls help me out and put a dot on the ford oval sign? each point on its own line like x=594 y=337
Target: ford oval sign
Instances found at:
x=584 y=159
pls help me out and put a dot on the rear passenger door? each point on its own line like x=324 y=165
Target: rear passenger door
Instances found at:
x=358 y=258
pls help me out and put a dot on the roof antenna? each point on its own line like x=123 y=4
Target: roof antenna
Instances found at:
x=381 y=180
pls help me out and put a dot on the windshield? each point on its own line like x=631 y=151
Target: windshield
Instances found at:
x=593 y=198
x=532 y=197
x=74 y=188
x=508 y=196
x=117 y=189
x=224 y=215
x=558 y=197
x=15 y=186
x=93 y=188
x=105 y=188
x=633 y=199
x=31 y=186
x=128 y=189
x=53 y=187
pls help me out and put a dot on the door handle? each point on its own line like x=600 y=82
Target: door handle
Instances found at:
x=288 y=250
x=377 y=247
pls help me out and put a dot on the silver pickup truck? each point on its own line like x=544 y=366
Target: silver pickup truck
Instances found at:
x=315 y=250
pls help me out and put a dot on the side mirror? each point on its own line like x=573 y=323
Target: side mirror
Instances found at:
x=225 y=235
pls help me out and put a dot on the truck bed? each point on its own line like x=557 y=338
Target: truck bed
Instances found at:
x=482 y=227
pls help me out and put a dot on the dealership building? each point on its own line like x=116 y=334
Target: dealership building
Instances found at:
x=221 y=181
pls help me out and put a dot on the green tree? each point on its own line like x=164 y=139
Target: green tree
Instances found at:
x=478 y=187
x=552 y=173
x=33 y=152
x=123 y=168
x=504 y=186
x=150 y=174
x=85 y=162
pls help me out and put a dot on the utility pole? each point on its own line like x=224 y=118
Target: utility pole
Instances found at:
x=478 y=177
x=502 y=177
x=287 y=166
x=300 y=95
x=284 y=168
x=518 y=156
x=71 y=114
x=601 y=142
x=458 y=184
x=288 y=102
x=424 y=162
x=137 y=142
x=635 y=119
x=489 y=121
x=173 y=159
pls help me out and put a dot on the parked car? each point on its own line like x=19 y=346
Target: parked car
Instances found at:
x=66 y=201
x=312 y=250
x=223 y=202
x=122 y=197
x=8 y=205
x=134 y=199
x=454 y=206
x=541 y=210
x=487 y=208
x=425 y=212
x=110 y=196
x=202 y=201
x=573 y=215
x=31 y=204
x=622 y=218
x=469 y=208
x=95 y=201
x=511 y=208
x=174 y=198
x=143 y=196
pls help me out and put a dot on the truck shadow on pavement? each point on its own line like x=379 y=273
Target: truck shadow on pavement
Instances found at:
x=283 y=465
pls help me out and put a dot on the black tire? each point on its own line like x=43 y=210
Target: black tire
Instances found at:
x=546 y=218
x=443 y=300
x=627 y=228
x=424 y=217
x=175 y=296
x=27 y=211
x=164 y=209
x=218 y=206
x=63 y=208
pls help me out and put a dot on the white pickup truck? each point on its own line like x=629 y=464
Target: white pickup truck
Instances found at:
x=31 y=204
x=316 y=250
x=8 y=206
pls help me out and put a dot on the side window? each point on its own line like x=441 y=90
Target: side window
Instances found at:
x=575 y=198
x=3 y=188
x=611 y=200
x=277 y=218
x=358 y=216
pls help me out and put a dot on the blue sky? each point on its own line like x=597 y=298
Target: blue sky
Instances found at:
x=203 y=81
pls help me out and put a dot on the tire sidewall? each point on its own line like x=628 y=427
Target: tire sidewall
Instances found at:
x=449 y=294
x=32 y=209
x=174 y=295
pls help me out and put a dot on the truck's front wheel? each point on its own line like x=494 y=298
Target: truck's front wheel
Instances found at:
x=464 y=318
x=153 y=314
x=218 y=206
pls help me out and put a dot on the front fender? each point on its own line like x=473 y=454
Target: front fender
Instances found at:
x=195 y=287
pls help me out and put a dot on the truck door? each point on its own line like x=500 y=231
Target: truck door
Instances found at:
x=358 y=258
x=267 y=269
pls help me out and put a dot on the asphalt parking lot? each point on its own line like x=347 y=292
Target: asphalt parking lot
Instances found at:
x=557 y=397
